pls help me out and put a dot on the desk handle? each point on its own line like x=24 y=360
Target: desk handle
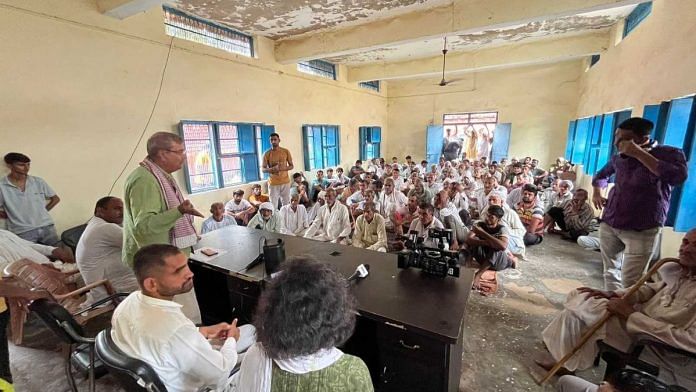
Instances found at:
x=404 y=345
x=395 y=325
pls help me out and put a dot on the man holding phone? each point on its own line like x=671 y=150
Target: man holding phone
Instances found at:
x=637 y=205
x=277 y=162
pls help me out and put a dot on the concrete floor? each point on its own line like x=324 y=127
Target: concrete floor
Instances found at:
x=503 y=331
x=502 y=335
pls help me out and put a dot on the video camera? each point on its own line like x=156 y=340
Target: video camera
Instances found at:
x=434 y=261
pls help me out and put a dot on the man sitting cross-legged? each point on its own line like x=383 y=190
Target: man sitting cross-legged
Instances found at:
x=151 y=327
x=487 y=243
x=370 y=232
x=332 y=222
x=238 y=208
x=574 y=217
x=294 y=217
x=662 y=310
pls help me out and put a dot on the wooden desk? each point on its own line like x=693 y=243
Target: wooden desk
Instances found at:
x=409 y=329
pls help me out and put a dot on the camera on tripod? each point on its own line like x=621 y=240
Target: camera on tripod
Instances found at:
x=437 y=260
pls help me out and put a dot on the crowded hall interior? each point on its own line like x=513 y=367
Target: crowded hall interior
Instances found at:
x=347 y=196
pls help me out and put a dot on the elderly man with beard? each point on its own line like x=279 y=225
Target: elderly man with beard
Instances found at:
x=574 y=217
x=293 y=217
x=266 y=219
x=663 y=310
x=370 y=232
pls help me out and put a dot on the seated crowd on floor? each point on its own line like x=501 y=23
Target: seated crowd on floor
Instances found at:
x=492 y=210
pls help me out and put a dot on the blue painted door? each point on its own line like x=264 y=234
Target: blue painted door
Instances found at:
x=435 y=135
x=501 y=141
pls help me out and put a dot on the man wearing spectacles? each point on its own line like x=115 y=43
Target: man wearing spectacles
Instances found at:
x=155 y=210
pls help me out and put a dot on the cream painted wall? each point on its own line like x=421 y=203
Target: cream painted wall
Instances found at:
x=655 y=62
x=78 y=87
x=538 y=101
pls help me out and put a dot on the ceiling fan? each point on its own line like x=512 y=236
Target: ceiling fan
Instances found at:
x=444 y=82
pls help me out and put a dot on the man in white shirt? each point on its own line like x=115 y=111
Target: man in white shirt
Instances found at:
x=150 y=326
x=389 y=201
x=238 y=208
x=332 y=222
x=293 y=218
x=370 y=232
x=425 y=221
x=13 y=248
x=100 y=249
x=218 y=219
x=480 y=199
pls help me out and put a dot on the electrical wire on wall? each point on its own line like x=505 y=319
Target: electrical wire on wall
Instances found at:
x=147 y=124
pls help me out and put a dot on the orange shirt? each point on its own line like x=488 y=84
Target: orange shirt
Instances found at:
x=259 y=199
x=279 y=157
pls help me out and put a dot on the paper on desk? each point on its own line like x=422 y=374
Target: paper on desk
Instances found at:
x=199 y=256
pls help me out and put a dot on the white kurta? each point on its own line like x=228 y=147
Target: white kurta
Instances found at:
x=330 y=223
x=293 y=222
x=667 y=314
x=13 y=248
x=157 y=332
x=390 y=203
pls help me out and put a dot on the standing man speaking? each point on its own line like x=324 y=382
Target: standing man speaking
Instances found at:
x=155 y=211
x=637 y=205
x=277 y=162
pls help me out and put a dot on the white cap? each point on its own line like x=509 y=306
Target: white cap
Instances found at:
x=266 y=206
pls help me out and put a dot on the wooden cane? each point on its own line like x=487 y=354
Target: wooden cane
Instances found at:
x=588 y=334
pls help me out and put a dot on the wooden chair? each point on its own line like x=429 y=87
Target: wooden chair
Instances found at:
x=41 y=277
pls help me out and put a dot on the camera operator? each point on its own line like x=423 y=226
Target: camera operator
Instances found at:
x=487 y=241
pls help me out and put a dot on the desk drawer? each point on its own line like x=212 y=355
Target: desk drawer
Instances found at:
x=410 y=362
x=243 y=287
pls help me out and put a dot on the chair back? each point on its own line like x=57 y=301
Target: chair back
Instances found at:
x=132 y=374
x=72 y=236
x=34 y=275
x=57 y=319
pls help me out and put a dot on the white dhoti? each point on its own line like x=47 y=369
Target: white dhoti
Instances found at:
x=566 y=329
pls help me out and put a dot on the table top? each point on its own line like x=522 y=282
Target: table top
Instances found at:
x=408 y=298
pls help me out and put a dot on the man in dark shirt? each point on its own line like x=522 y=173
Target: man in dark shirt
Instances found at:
x=637 y=205
x=356 y=170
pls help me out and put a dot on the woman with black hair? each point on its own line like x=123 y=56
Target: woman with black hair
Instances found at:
x=302 y=316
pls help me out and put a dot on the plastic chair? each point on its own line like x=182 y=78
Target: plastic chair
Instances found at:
x=36 y=276
x=617 y=359
x=132 y=374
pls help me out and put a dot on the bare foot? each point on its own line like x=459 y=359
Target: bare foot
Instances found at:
x=547 y=362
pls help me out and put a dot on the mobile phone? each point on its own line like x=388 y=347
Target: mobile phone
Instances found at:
x=209 y=252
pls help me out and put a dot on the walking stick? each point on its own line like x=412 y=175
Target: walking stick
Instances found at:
x=588 y=334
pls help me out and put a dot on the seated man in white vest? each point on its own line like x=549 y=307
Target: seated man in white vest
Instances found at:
x=332 y=222
x=150 y=326
x=370 y=231
x=100 y=249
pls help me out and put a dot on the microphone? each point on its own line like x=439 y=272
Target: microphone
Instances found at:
x=360 y=273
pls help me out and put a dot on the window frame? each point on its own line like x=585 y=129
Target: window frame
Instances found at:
x=376 y=142
x=225 y=32
x=310 y=154
x=636 y=17
x=217 y=155
x=373 y=85
x=314 y=67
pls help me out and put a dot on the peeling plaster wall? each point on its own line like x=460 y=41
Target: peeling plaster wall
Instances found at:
x=529 y=32
x=284 y=18
x=538 y=101
x=655 y=62
x=78 y=87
